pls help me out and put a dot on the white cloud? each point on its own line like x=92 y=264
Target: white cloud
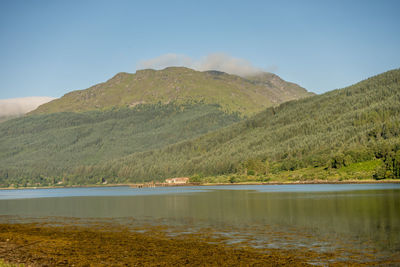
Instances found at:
x=166 y=60
x=19 y=106
x=215 y=61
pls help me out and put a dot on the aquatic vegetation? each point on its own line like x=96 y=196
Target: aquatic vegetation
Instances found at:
x=108 y=244
x=5 y=264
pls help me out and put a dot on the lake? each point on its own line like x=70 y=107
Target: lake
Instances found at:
x=356 y=219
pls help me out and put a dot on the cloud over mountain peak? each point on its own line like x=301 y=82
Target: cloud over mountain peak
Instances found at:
x=215 y=61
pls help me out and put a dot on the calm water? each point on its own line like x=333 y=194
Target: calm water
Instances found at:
x=362 y=216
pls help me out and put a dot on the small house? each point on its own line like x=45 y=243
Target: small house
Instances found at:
x=177 y=180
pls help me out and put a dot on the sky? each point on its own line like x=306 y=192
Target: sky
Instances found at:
x=49 y=48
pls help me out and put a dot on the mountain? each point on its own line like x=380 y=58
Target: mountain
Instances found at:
x=280 y=89
x=355 y=124
x=180 y=85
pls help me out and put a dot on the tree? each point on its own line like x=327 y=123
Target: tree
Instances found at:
x=380 y=171
x=396 y=165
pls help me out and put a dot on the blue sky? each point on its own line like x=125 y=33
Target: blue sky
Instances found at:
x=48 y=48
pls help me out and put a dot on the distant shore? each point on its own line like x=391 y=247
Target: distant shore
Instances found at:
x=311 y=182
x=306 y=182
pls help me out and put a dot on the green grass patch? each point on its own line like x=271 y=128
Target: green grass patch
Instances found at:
x=355 y=171
x=366 y=166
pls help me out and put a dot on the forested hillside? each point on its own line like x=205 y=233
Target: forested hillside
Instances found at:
x=44 y=148
x=354 y=124
x=178 y=84
x=357 y=124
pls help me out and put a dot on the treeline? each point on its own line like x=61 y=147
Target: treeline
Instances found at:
x=390 y=163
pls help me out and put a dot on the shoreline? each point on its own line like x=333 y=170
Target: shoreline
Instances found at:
x=309 y=182
x=111 y=245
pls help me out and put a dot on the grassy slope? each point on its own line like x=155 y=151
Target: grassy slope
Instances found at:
x=353 y=172
x=233 y=93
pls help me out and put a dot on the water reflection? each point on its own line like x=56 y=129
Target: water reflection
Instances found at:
x=366 y=216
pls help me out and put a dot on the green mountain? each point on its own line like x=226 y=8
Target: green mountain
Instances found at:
x=180 y=85
x=355 y=124
x=281 y=90
x=354 y=128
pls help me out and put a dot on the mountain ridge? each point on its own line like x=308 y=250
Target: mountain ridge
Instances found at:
x=246 y=95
